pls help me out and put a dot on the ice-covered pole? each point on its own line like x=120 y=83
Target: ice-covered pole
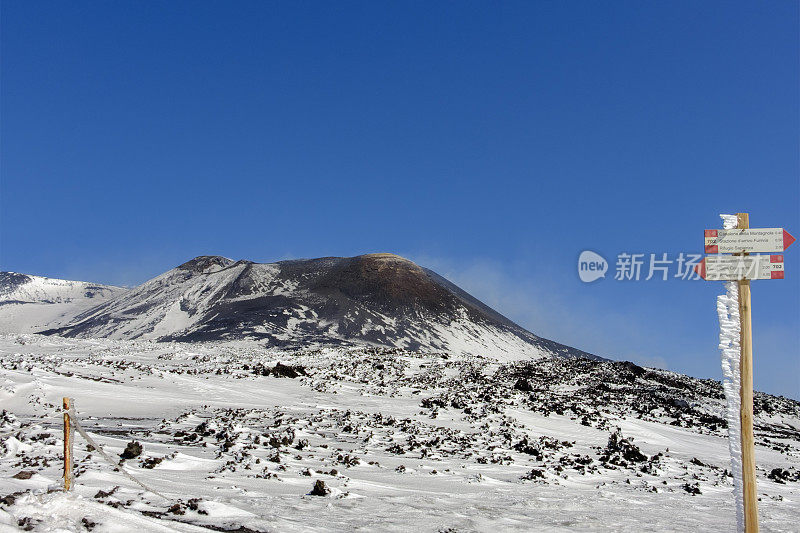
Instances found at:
x=733 y=309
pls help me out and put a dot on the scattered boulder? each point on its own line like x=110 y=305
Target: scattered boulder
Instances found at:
x=151 y=462
x=694 y=489
x=24 y=474
x=620 y=451
x=132 y=450
x=534 y=474
x=781 y=475
x=280 y=371
x=194 y=505
x=320 y=489
x=26 y=523
x=523 y=385
x=680 y=403
x=105 y=494
x=524 y=446
x=633 y=368
x=9 y=499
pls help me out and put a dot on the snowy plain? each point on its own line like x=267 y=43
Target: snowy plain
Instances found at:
x=403 y=441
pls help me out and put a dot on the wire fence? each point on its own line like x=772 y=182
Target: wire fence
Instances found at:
x=71 y=424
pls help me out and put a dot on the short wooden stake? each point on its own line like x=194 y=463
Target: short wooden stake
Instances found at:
x=67 y=446
x=749 y=489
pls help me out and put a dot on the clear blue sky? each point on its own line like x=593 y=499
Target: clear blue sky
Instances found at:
x=492 y=142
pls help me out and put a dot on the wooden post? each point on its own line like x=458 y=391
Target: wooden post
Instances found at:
x=67 y=447
x=750 y=495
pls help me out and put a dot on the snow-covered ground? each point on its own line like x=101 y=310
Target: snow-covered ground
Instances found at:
x=403 y=441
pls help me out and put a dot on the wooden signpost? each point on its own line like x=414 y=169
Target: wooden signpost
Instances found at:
x=741 y=267
x=746 y=394
x=734 y=268
x=67 y=446
x=757 y=240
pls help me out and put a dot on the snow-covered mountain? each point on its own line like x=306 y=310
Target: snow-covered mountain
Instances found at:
x=375 y=299
x=32 y=303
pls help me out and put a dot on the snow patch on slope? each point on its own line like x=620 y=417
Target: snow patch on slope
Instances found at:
x=33 y=303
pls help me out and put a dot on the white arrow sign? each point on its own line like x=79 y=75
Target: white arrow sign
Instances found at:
x=736 y=241
x=731 y=268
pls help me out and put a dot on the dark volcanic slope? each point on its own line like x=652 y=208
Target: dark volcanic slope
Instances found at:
x=379 y=299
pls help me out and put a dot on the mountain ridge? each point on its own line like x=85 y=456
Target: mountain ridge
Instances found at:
x=29 y=303
x=379 y=299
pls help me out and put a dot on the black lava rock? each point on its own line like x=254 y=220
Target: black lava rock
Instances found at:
x=320 y=489
x=132 y=450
